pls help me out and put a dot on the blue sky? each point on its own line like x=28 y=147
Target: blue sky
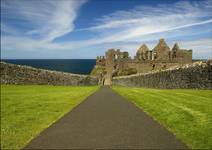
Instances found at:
x=72 y=29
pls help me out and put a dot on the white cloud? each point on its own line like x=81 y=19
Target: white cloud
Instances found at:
x=48 y=19
x=28 y=44
x=121 y=29
x=202 y=48
x=145 y=20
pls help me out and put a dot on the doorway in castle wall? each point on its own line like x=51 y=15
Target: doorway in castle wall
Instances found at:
x=108 y=81
x=103 y=81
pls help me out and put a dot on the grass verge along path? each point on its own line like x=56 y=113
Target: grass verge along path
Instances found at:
x=27 y=110
x=185 y=112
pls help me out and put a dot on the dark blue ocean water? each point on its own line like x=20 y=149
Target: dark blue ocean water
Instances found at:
x=79 y=66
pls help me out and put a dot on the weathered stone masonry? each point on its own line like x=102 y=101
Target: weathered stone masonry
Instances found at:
x=117 y=63
x=196 y=75
x=16 y=74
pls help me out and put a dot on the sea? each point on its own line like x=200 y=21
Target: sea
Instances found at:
x=77 y=66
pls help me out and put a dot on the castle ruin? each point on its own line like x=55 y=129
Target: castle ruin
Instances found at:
x=117 y=63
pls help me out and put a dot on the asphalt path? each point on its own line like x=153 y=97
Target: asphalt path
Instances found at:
x=105 y=120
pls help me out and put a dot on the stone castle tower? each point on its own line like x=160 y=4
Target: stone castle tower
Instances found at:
x=162 y=51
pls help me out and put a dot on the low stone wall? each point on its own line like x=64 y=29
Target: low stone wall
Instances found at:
x=17 y=74
x=196 y=75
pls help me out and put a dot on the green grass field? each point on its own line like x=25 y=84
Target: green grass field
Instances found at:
x=27 y=110
x=187 y=113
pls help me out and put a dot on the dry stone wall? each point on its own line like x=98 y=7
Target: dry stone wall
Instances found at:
x=196 y=75
x=17 y=74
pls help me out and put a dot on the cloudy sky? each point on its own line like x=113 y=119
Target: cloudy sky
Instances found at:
x=49 y=29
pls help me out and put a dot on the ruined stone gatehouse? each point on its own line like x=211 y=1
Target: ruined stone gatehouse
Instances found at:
x=117 y=63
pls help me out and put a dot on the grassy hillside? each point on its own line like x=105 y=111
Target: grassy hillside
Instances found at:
x=27 y=110
x=97 y=70
x=187 y=113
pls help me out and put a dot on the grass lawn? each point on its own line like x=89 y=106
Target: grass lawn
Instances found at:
x=27 y=110
x=187 y=113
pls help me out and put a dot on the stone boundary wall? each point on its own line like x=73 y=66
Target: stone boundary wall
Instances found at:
x=18 y=74
x=196 y=75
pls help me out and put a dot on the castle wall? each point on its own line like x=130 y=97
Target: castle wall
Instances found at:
x=122 y=64
x=183 y=56
x=196 y=75
x=16 y=74
x=140 y=67
x=147 y=66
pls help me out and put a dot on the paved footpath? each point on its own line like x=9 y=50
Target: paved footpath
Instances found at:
x=106 y=120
